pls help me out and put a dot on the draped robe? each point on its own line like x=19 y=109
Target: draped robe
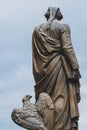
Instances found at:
x=54 y=60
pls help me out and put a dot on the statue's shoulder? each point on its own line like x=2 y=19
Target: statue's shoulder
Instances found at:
x=64 y=27
x=60 y=25
x=37 y=27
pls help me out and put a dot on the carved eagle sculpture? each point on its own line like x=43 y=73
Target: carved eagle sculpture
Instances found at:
x=37 y=116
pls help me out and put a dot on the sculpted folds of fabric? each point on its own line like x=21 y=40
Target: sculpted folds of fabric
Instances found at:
x=54 y=60
x=56 y=74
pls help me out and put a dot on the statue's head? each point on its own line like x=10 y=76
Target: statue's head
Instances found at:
x=47 y=14
x=26 y=98
x=54 y=13
x=58 y=14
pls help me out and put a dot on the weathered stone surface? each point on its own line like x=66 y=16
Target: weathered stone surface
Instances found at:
x=37 y=116
x=56 y=74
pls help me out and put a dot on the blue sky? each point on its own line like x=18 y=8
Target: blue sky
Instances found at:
x=17 y=21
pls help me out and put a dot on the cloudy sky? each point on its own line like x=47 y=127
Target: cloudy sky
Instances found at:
x=17 y=21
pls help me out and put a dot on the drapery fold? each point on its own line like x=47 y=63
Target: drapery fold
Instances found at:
x=51 y=73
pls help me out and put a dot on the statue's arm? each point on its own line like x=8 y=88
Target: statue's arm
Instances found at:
x=69 y=50
x=67 y=47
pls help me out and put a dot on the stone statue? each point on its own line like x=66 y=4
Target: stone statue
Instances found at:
x=37 y=116
x=56 y=74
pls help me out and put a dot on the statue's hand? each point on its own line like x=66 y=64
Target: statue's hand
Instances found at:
x=76 y=74
x=78 y=97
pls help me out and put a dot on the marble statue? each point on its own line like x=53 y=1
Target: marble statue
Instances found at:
x=35 y=116
x=56 y=73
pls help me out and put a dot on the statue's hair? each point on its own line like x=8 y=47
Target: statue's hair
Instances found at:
x=51 y=15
